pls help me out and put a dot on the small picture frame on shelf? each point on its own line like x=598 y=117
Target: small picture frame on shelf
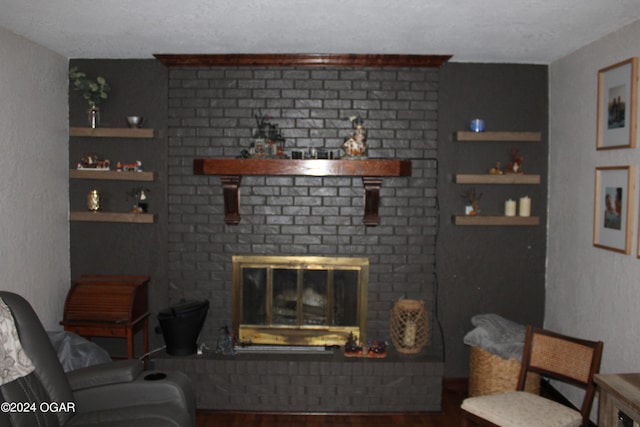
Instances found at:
x=616 y=125
x=613 y=205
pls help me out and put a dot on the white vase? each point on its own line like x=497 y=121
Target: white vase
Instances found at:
x=94 y=116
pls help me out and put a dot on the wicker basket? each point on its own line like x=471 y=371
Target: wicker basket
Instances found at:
x=409 y=326
x=491 y=374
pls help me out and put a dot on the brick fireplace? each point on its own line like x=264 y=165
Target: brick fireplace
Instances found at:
x=211 y=115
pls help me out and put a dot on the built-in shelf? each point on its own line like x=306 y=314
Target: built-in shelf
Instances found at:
x=499 y=136
x=126 y=217
x=112 y=175
x=371 y=170
x=508 y=178
x=138 y=218
x=112 y=132
x=495 y=220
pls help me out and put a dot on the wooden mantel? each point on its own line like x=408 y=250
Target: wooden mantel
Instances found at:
x=371 y=170
x=301 y=60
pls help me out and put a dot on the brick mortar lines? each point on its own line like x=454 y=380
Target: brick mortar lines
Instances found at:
x=211 y=115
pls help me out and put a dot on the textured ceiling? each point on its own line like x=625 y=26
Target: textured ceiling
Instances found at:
x=526 y=31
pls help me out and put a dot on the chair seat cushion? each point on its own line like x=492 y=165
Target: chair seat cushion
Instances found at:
x=522 y=409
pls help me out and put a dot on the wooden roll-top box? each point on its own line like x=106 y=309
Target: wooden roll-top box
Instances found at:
x=119 y=299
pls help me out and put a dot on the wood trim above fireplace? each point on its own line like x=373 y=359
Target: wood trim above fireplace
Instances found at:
x=302 y=60
x=372 y=171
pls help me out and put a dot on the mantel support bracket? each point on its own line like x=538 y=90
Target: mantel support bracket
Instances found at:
x=371 y=200
x=372 y=172
x=231 y=195
x=230 y=188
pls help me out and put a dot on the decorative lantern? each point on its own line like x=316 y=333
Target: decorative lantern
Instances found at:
x=409 y=326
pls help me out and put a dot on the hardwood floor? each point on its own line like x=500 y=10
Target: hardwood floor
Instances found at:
x=452 y=395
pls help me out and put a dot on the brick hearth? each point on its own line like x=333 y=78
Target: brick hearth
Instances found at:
x=313 y=383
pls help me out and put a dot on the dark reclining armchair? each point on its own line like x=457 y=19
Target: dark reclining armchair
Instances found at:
x=116 y=394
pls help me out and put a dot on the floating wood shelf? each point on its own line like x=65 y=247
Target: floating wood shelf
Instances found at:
x=111 y=175
x=138 y=218
x=112 y=132
x=499 y=136
x=371 y=171
x=495 y=220
x=508 y=178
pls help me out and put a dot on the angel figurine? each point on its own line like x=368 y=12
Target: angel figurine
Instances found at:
x=356 y=145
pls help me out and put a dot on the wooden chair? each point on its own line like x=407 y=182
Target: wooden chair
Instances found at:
x=551 y=355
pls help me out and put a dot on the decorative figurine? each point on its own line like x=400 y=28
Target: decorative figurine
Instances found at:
x=497 y=170
x=140 y=197
x=377 y=349
x=130 y=167
x=515 y=165
x=351 y=347
x=268 y=142
x=225 y=344
x=355 y=147
x=374 y=349
x=93 y=162
x=474 y=199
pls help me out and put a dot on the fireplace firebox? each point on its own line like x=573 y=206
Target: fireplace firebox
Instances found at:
x=299 y=300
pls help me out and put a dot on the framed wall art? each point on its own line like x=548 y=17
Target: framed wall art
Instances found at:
x=616 y=126
x=613 y=204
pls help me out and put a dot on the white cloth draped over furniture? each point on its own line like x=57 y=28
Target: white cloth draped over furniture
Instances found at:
x=14 y=362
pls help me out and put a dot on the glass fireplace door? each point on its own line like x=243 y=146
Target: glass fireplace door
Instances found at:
x=299 y=300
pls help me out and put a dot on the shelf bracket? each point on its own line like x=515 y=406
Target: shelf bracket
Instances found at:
x=230 y=192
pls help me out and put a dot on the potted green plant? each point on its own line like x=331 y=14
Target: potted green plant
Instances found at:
x=94 y=92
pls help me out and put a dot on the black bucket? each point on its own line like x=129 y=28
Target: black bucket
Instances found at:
x=181 y=325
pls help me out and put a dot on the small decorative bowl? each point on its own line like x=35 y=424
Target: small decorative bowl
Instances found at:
x=134 y=121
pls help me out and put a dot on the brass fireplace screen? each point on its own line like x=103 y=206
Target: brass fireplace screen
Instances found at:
x=299 y=300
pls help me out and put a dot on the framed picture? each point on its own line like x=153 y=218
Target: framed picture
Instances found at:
x=617 y=105
x=613 y=205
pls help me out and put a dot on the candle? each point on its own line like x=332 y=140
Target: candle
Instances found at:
x=476 y=125
x=510 y=208
x=525 y=206
x=409 y=334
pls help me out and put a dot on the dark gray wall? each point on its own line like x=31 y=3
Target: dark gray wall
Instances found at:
x=138 y=87
x=489 y=269
x=411 y=114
